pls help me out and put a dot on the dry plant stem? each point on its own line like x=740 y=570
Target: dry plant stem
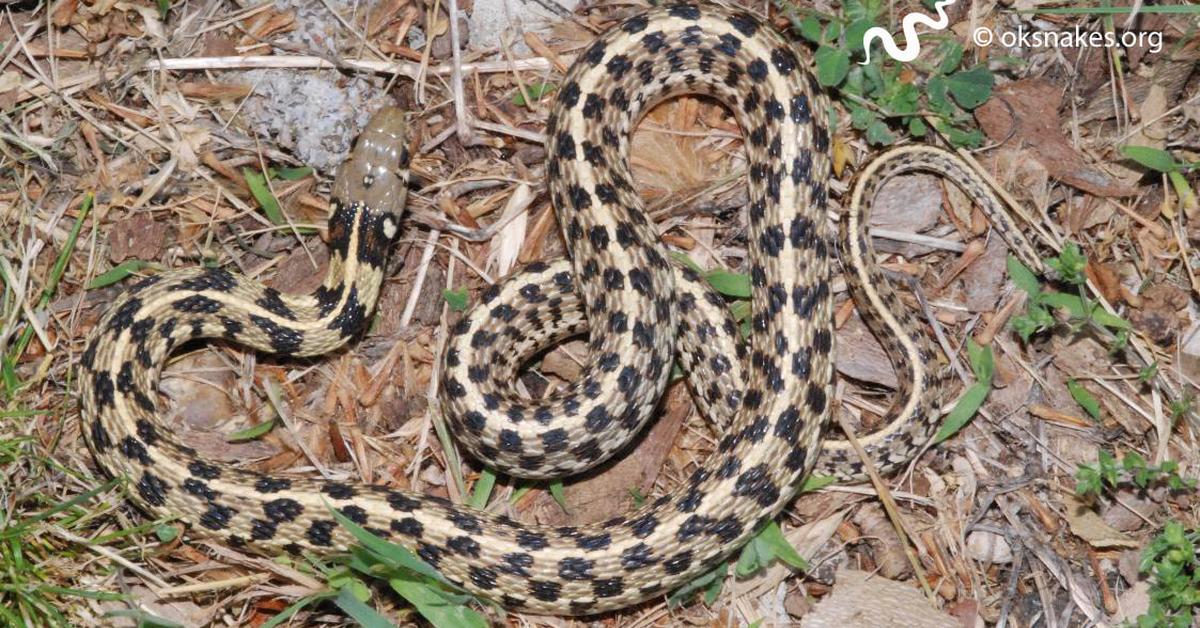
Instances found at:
x=200 y=587
x=1053 y=563
x=462 y=118
x=419 y=281
x=73 y=84
x=1000 y=320
x=889 y=505
x=109 y=554
x=916 y=238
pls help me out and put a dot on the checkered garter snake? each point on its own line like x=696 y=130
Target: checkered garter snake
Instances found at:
x=770 y=400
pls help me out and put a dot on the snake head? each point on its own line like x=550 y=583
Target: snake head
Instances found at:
x=376 y=172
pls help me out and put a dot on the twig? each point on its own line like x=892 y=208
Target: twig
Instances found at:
x=462 y=117
x=889 y=505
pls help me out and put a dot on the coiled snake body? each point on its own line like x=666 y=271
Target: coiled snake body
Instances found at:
x=620 y=284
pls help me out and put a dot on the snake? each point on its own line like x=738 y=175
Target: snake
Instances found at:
x=769 y=399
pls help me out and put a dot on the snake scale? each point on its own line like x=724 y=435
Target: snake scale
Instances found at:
x=771 y=401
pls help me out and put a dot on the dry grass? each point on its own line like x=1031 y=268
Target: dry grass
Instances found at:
x=124 y=142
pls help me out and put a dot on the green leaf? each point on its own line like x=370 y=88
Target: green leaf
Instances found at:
x=1023 y=277
x=963 y=137
x=291 y=174
x=166 y=533
x=536 y=92
x=861 y=117
x=482 y=490
x=458 y=299
x=916 y=127
x=1074 y=304
x=980 y=357
x=118 y=272
x=963 y=411
x=937 y=91
x=816 y=482
x=251 y=433
x=164 y=7
x=1087 y=481
x=878 y=134
x=833 y=30
x=952 y=53
x=262 y=193
x=810 y=29
x=1084 y=398
x=556 y=491
x=854 y=34
x=707 y=581
x=433 y=605
x=970 y=88
x=748 y=560
x=736 y=285
x=902 y=98
x=1070 y=264
x=366 y=616
x=391 y=555
x=1148 y=372
x=740 y=310
x=1182 y=189
x=1025 y=327
x=683 y=259
x=1152 y=158
x=772 y=536
x=832 y=65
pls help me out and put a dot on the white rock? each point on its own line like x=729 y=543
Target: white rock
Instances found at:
x=489 y=18
x=988 y=547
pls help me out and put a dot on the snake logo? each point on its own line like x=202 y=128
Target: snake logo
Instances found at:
x=912 y=46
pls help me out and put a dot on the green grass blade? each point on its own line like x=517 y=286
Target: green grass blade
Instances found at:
x=56 y=273
x=252 y=433
x=482 y=491
x=262 y=193
x=118 y=272
x=366 y=616
x=963 y=411
x=393 y=555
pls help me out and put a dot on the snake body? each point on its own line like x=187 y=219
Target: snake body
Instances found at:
x=771 y=401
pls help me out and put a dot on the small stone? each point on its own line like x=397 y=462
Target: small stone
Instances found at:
x=988 y=547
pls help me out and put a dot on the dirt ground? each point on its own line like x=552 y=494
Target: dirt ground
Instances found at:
x=137 y=137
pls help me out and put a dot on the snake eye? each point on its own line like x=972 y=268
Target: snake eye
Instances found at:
x=404 y=157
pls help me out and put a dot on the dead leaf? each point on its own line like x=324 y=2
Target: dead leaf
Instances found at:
x=297 y=275
x=988 y=547
x=983 y=279
x=139 y=236
x=860 y=356
x=1160 y=315
x=560 y=363
x=1088 y=525
x=910 y=203
x=599 y=496
x=1106 y=279
x=862 y=600
x=1026 y=112
x=886 y=546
